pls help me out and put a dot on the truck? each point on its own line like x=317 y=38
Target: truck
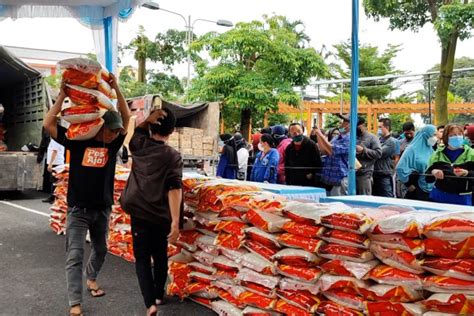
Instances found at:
x=24 y=98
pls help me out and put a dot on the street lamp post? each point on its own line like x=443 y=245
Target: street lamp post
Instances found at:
x=189 y=25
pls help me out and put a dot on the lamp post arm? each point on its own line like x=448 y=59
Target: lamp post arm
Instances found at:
x=179 y=14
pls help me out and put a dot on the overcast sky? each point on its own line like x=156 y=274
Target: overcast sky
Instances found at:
x=327 y=22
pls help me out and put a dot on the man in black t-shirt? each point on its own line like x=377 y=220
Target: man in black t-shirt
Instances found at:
x=90 y=193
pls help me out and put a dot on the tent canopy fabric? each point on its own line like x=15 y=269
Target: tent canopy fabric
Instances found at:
x=13 y=70
x=180 y=110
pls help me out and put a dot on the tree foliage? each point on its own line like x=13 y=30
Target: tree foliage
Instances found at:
x=452 y=20
x=371 y=63
x=257 y=64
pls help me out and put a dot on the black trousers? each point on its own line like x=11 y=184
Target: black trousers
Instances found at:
x=150 y=241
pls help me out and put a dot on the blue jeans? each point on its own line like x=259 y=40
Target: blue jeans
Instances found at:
x=79 y=221
x=383 y=186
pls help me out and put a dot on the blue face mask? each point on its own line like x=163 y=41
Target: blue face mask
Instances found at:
x=379 y=132
x=456 y=141
x=342 y=130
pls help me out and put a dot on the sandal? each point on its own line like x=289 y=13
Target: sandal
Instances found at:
x=160 y=302
x=97 y=292
x=76 y=314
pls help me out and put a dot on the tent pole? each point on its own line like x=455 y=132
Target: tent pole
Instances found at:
x=108 y=30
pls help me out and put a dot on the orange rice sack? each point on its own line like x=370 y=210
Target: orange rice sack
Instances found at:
x=348 y=268
x=206 y=302
x=296 y=257
x=456 y=226
x=260 y=249
x=310 y=213
x=345 y=238
x=84 y=131
x=440 y=284
x=257 y=300
x=202 y=268
x=79 y=78
x=187 y=239
x=267 y=281
x=235 y=228
x=397 y=258
x=390 y=293
x=388 y=275
x=393 y=309
x=225 y=274
x=201 y=277
x=398 y=241
x=458 y=304
x=409 y=224
x=304 y=274
x=255 y=234
x=81 y=113
x=289 y=284
x=226 y=264
x=231 y=214
x=229 y=241
x=329 y=282
x=293 y=241
x=203 y=257
x=267 y=222
x=329 y=308
x=335 y=251
x=206 y=243
x=450 y=249
x=252 y=311
x=283 y=306
x=232 y=254
x=225 y=308
x=456 y=268
x=80 y=95
x=198 y=289
x=305 y=230
x=345 y=298
x=106 y=89
x=257 y=263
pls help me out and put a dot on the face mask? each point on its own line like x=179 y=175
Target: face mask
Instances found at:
x=432 y=141
x=220 y=144
x=456 y=141
x=359 y=132
x=342 y=130
x=408 y=137
x=379 y=132
x=297 y=138
x=260 y=146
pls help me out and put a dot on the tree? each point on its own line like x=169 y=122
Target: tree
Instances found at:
x=371 y=63
x=257 y=64
x=452 y=19
x=167 y=49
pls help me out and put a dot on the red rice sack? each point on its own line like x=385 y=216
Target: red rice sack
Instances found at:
x=309 y=213
x=260 y=249
x=223 y=308
x=456 y=268
x=288 y=309
x=187 y=239
x=305 y=274
x=409 y=224
x=335 y=251
x=226 y=264
x=199 y=267
x=439 y=284
x=206 y=243
x=257 y=263
x=346 y=298
x=345 y=238
x=458 y=304
x=455 y=226
x=329 y=282
x=252 y=311
x=348 y=268
x=393 y=309
x=202 y=290
x=236 y=228
x=301 y=299
x=229 y=241
x=329 y=308
x=450 y=249
x=289 y=284
x=257 y=300
x=80 y=95
x=296 y=257
x=294 y=241
x=268 y=222
x=390 y=293
x=397 y=258
x=201 y=277
x=81 y=113
x=206 y=302
x=85 y=131
x=267 y=281
x=203 y=257
x=388 y=275
x=262 y=237
x=305 y=230
x=232 y=254
x=398 y=241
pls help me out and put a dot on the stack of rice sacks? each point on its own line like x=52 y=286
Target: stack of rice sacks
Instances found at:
x=120 y=234
x=57 y=217
x=88 y=88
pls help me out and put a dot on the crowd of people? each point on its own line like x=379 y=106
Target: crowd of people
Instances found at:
x=429 y=164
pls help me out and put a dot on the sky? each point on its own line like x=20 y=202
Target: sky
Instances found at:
x=326 y=22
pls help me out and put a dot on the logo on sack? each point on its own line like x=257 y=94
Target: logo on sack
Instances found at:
x=95 y=157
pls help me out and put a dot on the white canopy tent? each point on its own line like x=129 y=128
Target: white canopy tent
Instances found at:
x=102 y=16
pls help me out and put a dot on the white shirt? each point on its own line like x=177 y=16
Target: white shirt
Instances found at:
x=54 y=146
x=243 y=158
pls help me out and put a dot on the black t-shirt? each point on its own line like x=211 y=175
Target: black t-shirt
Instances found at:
x=91 y=170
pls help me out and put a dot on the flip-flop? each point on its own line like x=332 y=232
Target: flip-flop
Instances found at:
x=160 y=302
x=91 y=290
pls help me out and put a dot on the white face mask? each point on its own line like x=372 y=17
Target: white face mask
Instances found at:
x=260 y=146
x=432 y=141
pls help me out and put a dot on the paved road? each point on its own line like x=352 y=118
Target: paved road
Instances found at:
x=32 y=277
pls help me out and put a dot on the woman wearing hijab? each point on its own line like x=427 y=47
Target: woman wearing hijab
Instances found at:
x=228 y=162
x=414 y=161
x=265 y=168
x=333 y=133
x=242 y=156
x=452 y=167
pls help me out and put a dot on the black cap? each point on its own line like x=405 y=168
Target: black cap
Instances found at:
x=347 y=118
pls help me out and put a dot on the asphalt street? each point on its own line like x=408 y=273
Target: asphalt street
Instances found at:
x=32 y=275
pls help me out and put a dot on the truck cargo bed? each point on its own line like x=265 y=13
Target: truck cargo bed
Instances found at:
x=19 y=171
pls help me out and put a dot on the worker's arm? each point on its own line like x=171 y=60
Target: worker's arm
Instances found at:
x=54 y=154
x=122 y=105
x=153 y=118
x=174 y=200
x=323 y=143
x=51 y=121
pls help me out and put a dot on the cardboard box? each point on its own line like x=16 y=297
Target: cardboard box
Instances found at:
x=174 y=137
x=185 y=138
x=197 y=152
x=208 y=153
x=208 y=140
x=185 y=145
x=190 y=131
x=208 y=147
x=173 y=143
x=187 y=152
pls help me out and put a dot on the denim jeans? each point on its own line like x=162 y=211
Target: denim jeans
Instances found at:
x=383 y=186
x=79 y=220
x=150 y=241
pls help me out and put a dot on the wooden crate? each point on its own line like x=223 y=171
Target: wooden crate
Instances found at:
x=190 y=131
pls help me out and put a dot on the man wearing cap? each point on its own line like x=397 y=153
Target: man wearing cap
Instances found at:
x=282 y=141
x=336 y=164
x=90 y=193
x=368 y=150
